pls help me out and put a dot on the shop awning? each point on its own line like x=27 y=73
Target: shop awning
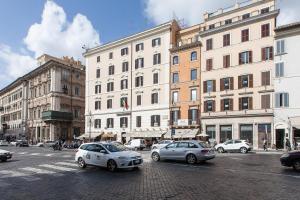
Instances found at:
x=108 y=135
x=146 y=134
x=295 y=121
x=182 y=133
x=87 y=135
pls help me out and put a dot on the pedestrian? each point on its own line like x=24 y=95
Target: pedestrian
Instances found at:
x=288 y=144
x=295 y=144
x=265 y=144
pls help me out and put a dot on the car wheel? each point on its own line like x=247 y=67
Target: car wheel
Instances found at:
x=243 y=150
x=81 y=163
x=191 y=159
x=111 y=165
x=296 y=165
x=154 y=147
x=155 y=156
x=220 y=150
x=4 y=159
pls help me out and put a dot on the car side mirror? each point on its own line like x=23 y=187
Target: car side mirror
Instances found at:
x=103 y=151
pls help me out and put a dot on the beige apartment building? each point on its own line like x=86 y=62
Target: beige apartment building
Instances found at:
x=185 y=84
x=237 y=63
x=49 y=101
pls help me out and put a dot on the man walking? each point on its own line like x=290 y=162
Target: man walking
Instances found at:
x=265 y=144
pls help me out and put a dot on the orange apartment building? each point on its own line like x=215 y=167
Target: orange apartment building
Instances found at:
x=185 y=84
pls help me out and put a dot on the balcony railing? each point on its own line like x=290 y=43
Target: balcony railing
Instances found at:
x=57 y=116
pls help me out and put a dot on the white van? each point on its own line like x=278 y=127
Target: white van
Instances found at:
x=136 y=144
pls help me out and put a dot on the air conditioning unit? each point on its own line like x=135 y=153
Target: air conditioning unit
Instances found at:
x=155 y=124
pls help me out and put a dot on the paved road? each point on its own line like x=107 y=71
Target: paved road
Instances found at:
x=39 y=173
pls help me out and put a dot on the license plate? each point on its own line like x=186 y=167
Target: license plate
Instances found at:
x=137 y=162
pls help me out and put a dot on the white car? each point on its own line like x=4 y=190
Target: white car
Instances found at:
x=3 y=143
x=234 y=146
x=107 y=155
x=5 y=155
x=161 y=144
x=136 y=144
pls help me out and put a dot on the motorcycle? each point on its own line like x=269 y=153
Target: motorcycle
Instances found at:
x=57 y=147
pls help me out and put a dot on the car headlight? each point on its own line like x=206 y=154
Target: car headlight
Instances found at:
x=122 y=158
x=285 y=155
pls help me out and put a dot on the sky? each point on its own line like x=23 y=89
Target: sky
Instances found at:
x=30 y=28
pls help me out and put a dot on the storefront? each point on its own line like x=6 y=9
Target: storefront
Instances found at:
x=225 y=133
x=246 y=132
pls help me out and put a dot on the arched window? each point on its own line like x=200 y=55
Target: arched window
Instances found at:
x=193 y=55
x=175 y=60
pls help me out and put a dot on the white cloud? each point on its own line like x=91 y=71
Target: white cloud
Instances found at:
x=160 y=11
x=54 y=35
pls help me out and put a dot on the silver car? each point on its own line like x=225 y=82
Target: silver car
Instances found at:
x=191 y=151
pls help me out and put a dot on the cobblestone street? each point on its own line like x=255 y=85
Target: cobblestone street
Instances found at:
x=39 y=173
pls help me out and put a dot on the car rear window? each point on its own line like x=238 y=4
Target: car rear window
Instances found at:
x=204 y=145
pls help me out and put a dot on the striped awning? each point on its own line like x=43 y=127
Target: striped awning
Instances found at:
x=182 y=133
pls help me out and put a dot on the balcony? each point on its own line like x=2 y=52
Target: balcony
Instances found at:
x=57 y=116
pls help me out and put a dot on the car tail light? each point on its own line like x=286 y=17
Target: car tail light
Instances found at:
x=204 y=151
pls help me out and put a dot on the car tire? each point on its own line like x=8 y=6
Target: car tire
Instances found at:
x=220 y=150
x=191 y=159
x=81 y=163
x=243 y=150
x=155 y=157
x=296 y=165
x=111 y=165
x=154 y=147
x=4 y=159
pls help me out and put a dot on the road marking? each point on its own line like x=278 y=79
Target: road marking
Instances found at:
x=49 y=154
x=35 y=154
x=22 y=153
x=67 y=156
x=233 y=158
x=58 y=167
x=13 y=174
x=67 y=164
x=40 y=171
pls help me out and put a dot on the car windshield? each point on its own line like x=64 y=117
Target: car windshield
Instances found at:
x=114 y=148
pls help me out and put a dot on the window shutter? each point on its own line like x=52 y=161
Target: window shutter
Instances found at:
x=271 y=53
x=158 y=120
x=231 y=83
x=250 y=101
x=250 y=80
x=153 y=43
x=240 y=58
x=231 y=104
x=224 y=62
x=213 y=106
x=222 y=84
x=159 y=58
x=268 y=78
x=263 y=101
x=214 y=85
x=152 y=98
x=268 y=101
x=142 y=80
x=190 y=114
x=240 y=104
x=286 y=100
x=263 y=54
x=136 y=64
x=250 y=56
x=263 y=78
x=142 y=62
x=222 y=105
x=277 y=100
x=204 y=86
x=205 y=106
x=240 y=82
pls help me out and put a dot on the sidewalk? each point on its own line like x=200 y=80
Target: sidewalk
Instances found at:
x=270 y=151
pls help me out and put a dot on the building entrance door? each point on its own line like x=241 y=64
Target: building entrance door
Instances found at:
x=279 y=138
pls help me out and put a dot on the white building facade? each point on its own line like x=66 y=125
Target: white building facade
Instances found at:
x=127 y=85
x=287 y=83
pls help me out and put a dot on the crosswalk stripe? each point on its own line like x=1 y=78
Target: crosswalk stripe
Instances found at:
x=35 y=154
x=49 y=154
x=58 y=167
x=67 y=164
x=13 y=174
x=22 y=153
x=40 y=171
x=67 y=156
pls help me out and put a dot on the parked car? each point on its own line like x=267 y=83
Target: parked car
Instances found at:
x=161 y=144
x=136 y=144
x=22 y=143
x=234 y=146
x=191 y=151
x=291 y=159
x=5 y=155
x=3 y=143
x=107 y=155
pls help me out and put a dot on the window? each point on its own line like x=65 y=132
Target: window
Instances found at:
x=245 y=81
x=98 y=59
x=109 y=103
x=281 y=100
x=226 y=40
x=193 y=94
x=109 y=122
x=226 y=84
x=175 y=115
x=97 y=105
x=125 y=67
x=279 y=71
x=174 y=97
x=209 y=44
x=209 y=106
x=156 y=59
x=267 y=53
x=246 y=16
x=156 y=42
x=228 y=21
x=245 y=57
x=124 y=84
x=246 y=133
x=64 y=89
x=155 y=78
x=124 y=51
x=172 y=145
x=193 y=116
x=226 y=104
x=139 y=100
x=97 y=89
x=183 y=145
x=124 y=102
x=175 y=78
x=265 y=101
x=211 y=131
x=245 y=103
x=139 y=47
x=97 y=123
x=194 y=74
x=226 y=61
x=155 y=120
x=110 y=87
x=209 y=64
x=77 y=91
x=175 y=60
x=138 y=121
x=212 y=26
x=265 y=10
x=265 y=30
x=98 y=73
x=265 y=78
x=123 y=122
x=209 y=86
x=154 y=98
x=139 y=81
x=111 y=55
x=139 y=63
x=280 y=47
x=245 y=35
x=193 y=56
x=111 y=70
